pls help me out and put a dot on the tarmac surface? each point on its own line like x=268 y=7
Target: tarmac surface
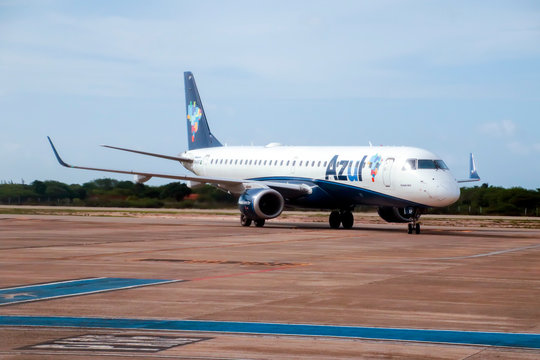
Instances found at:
x=200 y=286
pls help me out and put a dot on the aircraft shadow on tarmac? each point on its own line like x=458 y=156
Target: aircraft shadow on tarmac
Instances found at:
x=496 y=233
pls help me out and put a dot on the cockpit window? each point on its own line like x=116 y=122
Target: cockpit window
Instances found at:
x=432 y=164
x=441 y=165
x=426 y=164
x=410 y=164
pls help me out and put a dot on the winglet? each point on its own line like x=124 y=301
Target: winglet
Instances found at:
x=56 y=154
x=473 y=174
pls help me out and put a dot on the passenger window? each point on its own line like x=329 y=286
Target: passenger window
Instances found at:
x=300 y=164
x=312 y=163
x=281 y=163
x=294 y=162
x=325 y=164
x=287 y=162
x=319 y=164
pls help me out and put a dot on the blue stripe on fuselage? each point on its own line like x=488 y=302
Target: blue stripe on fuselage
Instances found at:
x=335 y=194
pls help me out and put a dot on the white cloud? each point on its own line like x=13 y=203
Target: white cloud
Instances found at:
x=369 y=49
x=10 y=148
x=518 y=148
x=503 y=128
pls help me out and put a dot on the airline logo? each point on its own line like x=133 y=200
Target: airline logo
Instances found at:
x=351 y=170
x=194 y=114
x=345 y=170
x=374 y=164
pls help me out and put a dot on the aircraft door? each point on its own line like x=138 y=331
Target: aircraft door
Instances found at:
x=205 y=162
x=293 y=165
x=387 y=172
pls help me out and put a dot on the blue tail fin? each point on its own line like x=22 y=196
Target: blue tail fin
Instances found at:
x=199 y=135
x=473 y=174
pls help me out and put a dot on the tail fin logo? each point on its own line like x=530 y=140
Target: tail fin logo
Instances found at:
x=194 y=114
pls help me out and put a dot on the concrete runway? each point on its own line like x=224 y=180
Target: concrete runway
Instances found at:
x=467 y=280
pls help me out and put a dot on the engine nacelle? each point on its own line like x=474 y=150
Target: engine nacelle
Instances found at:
x=396 y=215
x=261 y=203
x=139 y=179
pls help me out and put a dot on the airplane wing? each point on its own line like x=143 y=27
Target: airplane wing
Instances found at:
x=235 y=186
x=177 y=158
x=473 y=174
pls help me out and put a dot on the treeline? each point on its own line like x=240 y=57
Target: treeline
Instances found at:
x=113 y=193
x=492 y=200
x=479 y=200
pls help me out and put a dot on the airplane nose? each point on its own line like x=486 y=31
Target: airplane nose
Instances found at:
x=448 y=192
x=453 y=192
x=445 y=191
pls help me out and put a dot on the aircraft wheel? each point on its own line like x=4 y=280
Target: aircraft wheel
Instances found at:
x=417 y=229
x=347 y=219
x=410 y=228
x=259 y=222
x=244 y=220
x=334 y=219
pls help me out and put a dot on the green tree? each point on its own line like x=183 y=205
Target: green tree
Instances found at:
x=57 y=190
x=39 y=187
x=175 y=190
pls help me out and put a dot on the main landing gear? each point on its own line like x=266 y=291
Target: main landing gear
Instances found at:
x=245 y=221
x=343 y=217
x=413 y=227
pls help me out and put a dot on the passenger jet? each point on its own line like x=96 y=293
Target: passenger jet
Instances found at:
x=401 y=182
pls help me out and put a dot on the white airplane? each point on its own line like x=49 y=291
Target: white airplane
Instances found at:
x=402 y=182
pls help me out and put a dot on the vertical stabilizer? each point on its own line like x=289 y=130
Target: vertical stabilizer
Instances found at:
x=199 y=135
x=473 y=174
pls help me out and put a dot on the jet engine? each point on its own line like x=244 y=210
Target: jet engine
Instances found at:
x=139 y=179
x=261 y=203
x=396 y=215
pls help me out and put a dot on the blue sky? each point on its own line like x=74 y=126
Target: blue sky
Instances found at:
x=452 y=77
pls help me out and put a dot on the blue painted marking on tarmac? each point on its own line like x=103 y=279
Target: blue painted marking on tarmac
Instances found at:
x=436 y=336
x=60 y=289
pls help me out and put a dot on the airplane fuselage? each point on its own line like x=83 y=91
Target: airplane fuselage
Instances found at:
x=341 y=176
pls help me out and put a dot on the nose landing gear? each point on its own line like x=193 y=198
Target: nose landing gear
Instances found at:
x=414 y=225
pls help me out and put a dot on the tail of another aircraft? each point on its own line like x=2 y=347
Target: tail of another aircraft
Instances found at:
x=199 y=135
